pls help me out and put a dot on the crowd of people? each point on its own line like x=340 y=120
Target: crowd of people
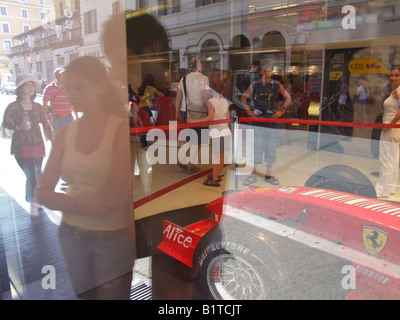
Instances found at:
x=91 y=154
x=199 y=100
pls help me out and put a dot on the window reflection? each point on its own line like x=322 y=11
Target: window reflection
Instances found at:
x=333 y=57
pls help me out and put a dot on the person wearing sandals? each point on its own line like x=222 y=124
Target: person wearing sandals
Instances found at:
x=218 y=109
x=191 y=97
x=263 y=95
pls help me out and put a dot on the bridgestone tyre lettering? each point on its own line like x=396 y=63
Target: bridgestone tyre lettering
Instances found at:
x=342 y=178
x=231 y=271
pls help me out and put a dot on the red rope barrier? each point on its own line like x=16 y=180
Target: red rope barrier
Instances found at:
x=320 y=123
x=167 y=127
x=265 y=120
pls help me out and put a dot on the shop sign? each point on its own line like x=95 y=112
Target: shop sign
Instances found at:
x=335 y=75
x=362 y=66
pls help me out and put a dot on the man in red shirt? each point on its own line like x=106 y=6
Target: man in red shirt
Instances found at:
x=56 y=102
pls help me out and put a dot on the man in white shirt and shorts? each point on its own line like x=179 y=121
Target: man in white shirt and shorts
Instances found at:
x=191 y=98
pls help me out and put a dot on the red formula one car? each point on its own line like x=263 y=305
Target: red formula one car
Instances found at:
x=294 y=242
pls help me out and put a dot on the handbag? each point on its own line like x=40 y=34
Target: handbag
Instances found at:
x=32 y=150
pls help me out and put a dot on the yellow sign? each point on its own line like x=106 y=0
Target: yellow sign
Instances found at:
x=362 y=66
x=335 y=75
x=374 y=239
x=258 y=190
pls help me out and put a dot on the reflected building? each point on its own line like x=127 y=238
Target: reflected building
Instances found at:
x=315 y=42
x=38 y=51
x=75 y=30
x=18 y=17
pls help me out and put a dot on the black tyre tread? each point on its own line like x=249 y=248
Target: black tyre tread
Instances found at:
x=342 y=178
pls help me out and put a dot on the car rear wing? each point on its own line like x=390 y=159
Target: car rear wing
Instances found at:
x=181 y=242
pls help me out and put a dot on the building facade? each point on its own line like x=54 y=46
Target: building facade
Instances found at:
x=74 y=31
x=16 y=17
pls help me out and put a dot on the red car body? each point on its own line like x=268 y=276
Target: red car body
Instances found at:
x=362 y=230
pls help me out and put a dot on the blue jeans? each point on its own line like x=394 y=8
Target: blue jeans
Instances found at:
x=32 y=168
x=99 y=263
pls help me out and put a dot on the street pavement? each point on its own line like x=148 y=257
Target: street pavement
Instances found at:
x=26 y=245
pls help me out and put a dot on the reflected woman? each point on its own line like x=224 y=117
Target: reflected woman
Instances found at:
x=93 y=155
x=389 y=141
x=21 y=123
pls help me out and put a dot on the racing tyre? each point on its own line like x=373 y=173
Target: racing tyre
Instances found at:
x=231 y=271
x=342 y=178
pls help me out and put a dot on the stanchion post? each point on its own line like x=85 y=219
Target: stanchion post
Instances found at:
x=235 y=148
x=321 y=99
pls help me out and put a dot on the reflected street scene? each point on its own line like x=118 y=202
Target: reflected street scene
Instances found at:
x=199 y=150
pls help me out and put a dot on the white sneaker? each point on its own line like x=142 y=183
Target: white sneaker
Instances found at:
x=35 y=209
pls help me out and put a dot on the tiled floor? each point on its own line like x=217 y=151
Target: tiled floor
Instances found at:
x=295 y=164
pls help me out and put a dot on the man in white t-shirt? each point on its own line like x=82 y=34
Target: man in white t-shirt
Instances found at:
x=191 y=98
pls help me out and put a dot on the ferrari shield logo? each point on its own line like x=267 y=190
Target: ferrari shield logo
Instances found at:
x=374 y=239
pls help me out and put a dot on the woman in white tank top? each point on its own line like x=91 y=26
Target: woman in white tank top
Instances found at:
x=93 y=155
x=389 y=141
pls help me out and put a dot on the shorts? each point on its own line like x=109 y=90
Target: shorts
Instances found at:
x=195 y=135
x=265 y=137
